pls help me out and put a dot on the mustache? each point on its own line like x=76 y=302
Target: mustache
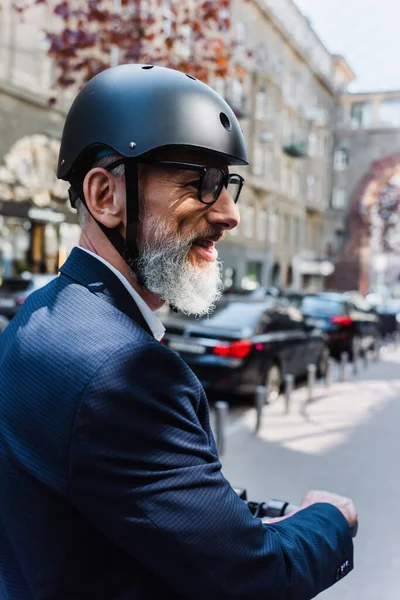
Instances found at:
x=209 y=233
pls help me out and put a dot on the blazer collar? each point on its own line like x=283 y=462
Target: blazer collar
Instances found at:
x=100 y=280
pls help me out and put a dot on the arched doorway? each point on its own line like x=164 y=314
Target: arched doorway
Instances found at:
x=276 y=274
x=33 y=207
x=373 y=228
x=289 y=276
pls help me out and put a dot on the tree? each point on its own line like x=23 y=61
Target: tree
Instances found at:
x=194 y=36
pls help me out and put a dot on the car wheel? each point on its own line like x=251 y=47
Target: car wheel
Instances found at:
x=273 y=383
x=322 y=363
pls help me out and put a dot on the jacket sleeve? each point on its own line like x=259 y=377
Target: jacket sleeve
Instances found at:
x=144 y=471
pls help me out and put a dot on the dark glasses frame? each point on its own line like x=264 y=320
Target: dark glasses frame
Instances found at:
x=226 y=178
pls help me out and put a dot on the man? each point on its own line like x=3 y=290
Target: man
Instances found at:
x=110 y=484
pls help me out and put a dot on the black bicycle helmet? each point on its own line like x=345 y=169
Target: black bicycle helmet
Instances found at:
x=135 y=109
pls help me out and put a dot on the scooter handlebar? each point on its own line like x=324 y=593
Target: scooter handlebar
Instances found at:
x=275 y=508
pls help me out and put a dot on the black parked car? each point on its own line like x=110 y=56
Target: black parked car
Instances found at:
x=15 y=290
x=389 y=315
x=246 y=343
x=350 y=324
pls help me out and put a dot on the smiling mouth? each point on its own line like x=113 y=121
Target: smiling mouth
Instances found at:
x=206 y=248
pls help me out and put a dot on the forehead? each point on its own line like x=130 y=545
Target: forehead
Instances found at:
x=189 y=155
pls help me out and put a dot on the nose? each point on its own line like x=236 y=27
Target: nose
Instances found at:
x=224 y=212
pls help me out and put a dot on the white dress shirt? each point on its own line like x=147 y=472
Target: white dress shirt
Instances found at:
x=156 y=327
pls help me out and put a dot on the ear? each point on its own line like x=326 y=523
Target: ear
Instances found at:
x=104 y=197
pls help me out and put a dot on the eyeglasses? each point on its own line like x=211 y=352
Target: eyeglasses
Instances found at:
x=210 y=183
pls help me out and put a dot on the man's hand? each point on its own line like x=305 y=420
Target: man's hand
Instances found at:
x=345 y=505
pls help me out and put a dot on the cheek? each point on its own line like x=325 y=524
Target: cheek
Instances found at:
x=189 y=216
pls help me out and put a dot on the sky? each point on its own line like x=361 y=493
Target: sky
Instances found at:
x=366 y=33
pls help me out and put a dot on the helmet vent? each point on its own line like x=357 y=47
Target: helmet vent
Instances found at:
x=191 y=77
x=148 y=67
x=225 y=121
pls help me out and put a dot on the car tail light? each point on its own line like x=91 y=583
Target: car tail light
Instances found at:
x=238 y=349
x=342 y=320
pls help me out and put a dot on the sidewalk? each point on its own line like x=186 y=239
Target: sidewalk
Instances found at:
x=346 y=440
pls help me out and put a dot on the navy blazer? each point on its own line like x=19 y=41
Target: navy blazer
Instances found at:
x=110 y=483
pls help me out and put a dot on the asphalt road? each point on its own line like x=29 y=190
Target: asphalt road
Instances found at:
x=346 y=441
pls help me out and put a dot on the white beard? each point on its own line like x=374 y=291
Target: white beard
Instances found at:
x=165 y=269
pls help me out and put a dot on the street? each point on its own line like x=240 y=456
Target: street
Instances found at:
x=346 y=441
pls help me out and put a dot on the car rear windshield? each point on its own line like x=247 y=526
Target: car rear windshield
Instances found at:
x=233 y=315
x=321 y=307
x=390 y=308
x=14 y=285
x=237 y=315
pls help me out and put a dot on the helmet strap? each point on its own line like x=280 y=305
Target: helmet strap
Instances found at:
x=127 y=248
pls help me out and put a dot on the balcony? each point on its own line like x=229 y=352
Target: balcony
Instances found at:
x=295 y=149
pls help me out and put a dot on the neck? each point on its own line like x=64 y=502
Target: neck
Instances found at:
x=109 y=253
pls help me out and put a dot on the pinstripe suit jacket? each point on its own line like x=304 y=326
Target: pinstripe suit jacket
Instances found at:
x=110 y=483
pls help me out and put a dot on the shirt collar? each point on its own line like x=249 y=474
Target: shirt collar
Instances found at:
x=156 y=327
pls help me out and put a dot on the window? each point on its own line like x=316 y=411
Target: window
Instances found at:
x=237 y=94
x=339 y=241
x=258 y=160
x=253 y=277
x=271 y=106
x=389 y=113
x=295 y=184
x=341 y=159
x=228 y=315
x=322 y=139
x=312 y=144
x=285 y=173
x=262 y=225
x=240 y=33
x=286 y=229
x=287 y=129
x=361 y=114
x=220 y=86
x=248 y=221
x=260 y=104
x=338 y=198
x=185 y=45
x=296 y=225
x=273 y=227
x=167 y=18
x=310 y=187
x=318 y=306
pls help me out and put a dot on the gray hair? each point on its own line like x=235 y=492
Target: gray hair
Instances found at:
x=104 y=162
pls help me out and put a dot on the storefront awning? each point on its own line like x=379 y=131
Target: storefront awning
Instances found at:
x=322 y=268
x=27 y=210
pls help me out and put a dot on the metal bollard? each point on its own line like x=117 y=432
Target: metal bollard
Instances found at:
x=221 y=417
x=344 y=361
x=289 y=383
x=311 y=376
x=260 y=401
x=377 y=350
x=356 y=358
x=329 y=372
x=395 y=339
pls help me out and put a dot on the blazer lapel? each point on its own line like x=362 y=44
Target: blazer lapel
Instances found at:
x=100 y=280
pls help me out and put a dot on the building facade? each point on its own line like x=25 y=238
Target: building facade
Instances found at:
x=366 y=153
x=37 y=226
x=285 y=104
